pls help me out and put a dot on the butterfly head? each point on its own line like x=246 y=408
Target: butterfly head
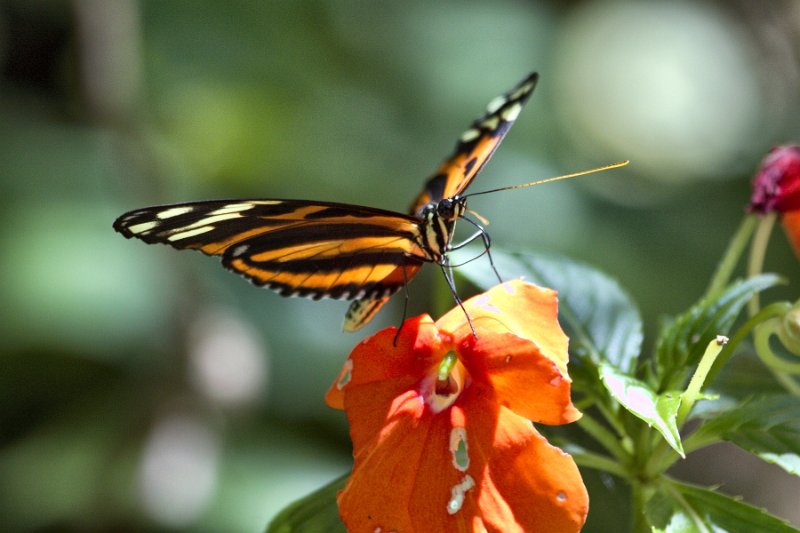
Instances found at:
x=439 y=222
x=449 y=209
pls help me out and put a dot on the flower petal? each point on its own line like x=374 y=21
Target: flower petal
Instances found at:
x=377 y=493
x=523 y=380
x=472 y=467
x=791 y=224
x=538 y=481
x=473 y=464
x=407 y=477
x=378 y=358
x=380 y=374
x=518 y=307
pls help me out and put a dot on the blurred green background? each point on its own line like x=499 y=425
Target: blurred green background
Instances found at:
x=145 y=390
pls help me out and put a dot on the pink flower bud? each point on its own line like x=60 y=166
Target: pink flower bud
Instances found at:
x=776 y=186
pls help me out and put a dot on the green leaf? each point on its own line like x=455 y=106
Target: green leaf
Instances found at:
x=316 y=512
x=600 y=318
x=768 y=427
x=681 y=508
x=682 y=343
x=657 y=410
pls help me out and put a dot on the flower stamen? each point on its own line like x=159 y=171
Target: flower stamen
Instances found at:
x=444 y=387
x=445 y=384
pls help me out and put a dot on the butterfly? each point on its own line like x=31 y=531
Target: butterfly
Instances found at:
x=322 y=249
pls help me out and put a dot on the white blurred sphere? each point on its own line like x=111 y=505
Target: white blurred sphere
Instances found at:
x=178 y=471
x=672 y=87
x=229 y=363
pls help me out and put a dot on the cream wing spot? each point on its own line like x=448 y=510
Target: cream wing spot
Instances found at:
x=470 y=135
x=212 y=220
x=522 y=91
x=511 y=113
x=496 y=104
x=144 y=227
x=232 y=208
x=491 y=123
x=189 y=233
x=240 y=250
x=174 y=212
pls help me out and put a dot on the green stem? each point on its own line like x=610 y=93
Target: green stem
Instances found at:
x=758 y=250
x=607 y=439
x=641 y=494
x=612 y=419
x=661 y=455
x=777 y=309
x=782 y=370
x=599 y=462
x=649 y=445
x=692 y=392
x=788 y=382
x=734 y=251
x=761 y=337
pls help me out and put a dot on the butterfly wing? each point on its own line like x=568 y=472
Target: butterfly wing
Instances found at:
x=297 y=248
x=327 y=250
x=476 y=146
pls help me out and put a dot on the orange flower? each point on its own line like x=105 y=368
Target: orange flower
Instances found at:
x=441 y=422
x=776 y=188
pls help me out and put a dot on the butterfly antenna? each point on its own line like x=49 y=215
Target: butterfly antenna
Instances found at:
x=555 y=178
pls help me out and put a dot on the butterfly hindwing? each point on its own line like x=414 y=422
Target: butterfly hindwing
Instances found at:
x=476 y=146
x=298 y=248
x=326 y=249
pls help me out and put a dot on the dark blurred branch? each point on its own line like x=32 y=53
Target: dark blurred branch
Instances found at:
x=109 y=51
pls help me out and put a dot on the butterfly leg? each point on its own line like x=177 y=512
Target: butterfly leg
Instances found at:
x=487 y=243
x=405 y=305
x=448 y=275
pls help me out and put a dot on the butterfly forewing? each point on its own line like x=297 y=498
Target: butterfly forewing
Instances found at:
x=476 y=146
x=325 y=249
x=301 y=248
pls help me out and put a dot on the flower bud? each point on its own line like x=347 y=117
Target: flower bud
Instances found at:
x=776 y=186
x=789 y=333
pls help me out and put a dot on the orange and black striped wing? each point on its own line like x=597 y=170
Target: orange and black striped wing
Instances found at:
x=295 y=247
x=476 y=146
